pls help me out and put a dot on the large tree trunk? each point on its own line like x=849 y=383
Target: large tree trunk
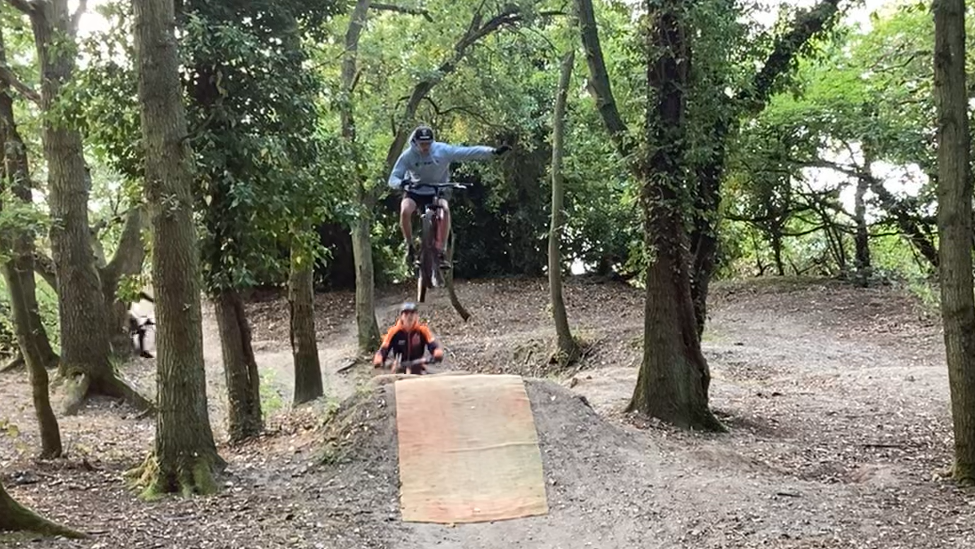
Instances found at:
x=567 y=351
x=185 y=457
x=304 y=347
x=674 y=377
x=85 y=322
x=365 y=304
x=14 y=517
x=240 y=367
x=955 y=227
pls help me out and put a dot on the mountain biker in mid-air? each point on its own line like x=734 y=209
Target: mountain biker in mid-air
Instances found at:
x=429 y=162
x=408 y=339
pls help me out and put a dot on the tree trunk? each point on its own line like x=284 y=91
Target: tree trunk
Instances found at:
x=776 y=237
x=365 y=309
x=185 y=458
x=674 y=377
x=239 y=366
x=955 y=227
x=27 y=318
x=304 y=347
x=14 y=517
x=567 y=351
x=19 y=274
x=365 y=304
x=85 y=321
x=862 y=237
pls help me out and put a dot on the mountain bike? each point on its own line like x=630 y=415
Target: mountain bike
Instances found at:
x=429 y=273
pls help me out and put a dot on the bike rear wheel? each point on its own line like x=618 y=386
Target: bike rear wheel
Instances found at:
x=428 y=257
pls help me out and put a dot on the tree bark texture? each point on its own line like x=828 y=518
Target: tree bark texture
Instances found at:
x=185 y=457
x=955 y=227
x=304 y=347
x=84 y=333
x=365 y=299
x=567 y=350
x=240 y=367
x=674 y=377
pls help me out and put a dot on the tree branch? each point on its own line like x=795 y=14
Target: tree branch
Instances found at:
x=599 y=86
x=807 y=24
x=130 y=253
x=510 y=16
x=8 y=77
x=44 y=266
x=76 y=17
x=403 y=9
x=24 y=6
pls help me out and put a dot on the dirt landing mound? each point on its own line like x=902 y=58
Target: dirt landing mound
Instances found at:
x=607 y=487
x=582 y=455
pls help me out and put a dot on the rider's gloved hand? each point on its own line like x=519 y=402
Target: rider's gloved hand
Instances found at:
x=502 y=149
x=404 y=182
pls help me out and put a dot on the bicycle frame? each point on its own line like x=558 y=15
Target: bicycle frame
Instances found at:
x=429 y=274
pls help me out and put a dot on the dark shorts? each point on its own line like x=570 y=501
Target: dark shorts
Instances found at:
x=423 y=200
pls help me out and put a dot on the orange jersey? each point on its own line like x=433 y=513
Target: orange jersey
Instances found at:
x=409 y=344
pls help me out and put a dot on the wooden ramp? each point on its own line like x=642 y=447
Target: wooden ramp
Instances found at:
x=468 y=450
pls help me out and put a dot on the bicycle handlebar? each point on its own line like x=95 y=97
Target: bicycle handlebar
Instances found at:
x=436 y=185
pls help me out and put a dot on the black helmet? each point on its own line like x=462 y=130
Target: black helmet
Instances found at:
x=408 y=307
x=423 y=134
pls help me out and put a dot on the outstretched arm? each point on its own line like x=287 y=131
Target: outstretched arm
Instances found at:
x=455 y=153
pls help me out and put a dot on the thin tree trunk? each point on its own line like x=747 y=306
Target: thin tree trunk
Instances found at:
x=365 y=309
x=35 y=347
x=955 y=227
x=365 y=303
x=862 y=237
x=185 y=458
x=28 y=323
x=19 y=275
x=304 y=347
x=674 y=377
x=240 y=367
x=14 y=517
x=776 y=237
x=567 y=351
x=861 y=240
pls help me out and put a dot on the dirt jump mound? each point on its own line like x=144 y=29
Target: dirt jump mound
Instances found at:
x=488 y=451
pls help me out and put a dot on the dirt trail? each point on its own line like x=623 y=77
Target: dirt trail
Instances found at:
x=836 y=399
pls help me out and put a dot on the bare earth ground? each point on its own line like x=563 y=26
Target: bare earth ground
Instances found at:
x=836 y=399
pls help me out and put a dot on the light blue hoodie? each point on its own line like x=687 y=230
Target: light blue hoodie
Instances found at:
x=435 y=166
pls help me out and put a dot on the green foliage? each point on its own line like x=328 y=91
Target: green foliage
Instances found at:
x=253 y=118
